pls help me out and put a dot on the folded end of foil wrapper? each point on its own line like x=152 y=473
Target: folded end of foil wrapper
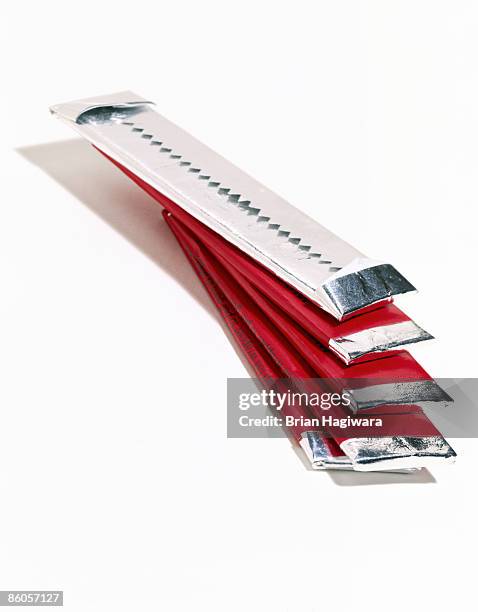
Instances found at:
x=101 y=109
x=417 y=392
x=357 y=287
x=397 y=452
x=315 y=447
x=377 y=341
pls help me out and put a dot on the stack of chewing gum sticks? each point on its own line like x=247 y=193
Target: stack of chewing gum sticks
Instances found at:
x=303 y=305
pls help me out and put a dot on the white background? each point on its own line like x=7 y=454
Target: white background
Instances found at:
x=117 y=482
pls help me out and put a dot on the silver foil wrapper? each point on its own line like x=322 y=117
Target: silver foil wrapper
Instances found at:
x=362 y=288
x=366 y=344
x=295 y=247
x=420 y=393
x=397 y=452
x=320 y=457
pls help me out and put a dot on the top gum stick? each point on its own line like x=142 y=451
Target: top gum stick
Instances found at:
x=171 y=162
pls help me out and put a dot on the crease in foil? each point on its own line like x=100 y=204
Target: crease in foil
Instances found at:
x=419 y=392
x=364 y=345
x=397 y=452
x=296 y=248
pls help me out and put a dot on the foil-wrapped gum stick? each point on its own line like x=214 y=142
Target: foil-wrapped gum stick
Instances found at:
x=299 y=250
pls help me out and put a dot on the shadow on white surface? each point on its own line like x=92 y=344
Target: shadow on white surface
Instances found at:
x=354 y=479
x=94 y=181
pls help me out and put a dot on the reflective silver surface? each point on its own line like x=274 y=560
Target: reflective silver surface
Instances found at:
x=397 y=452
x=82 y=111
x=317 y=451
x=299 y=250
x=365 y=344
x=418 y=392
x=360 y=289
